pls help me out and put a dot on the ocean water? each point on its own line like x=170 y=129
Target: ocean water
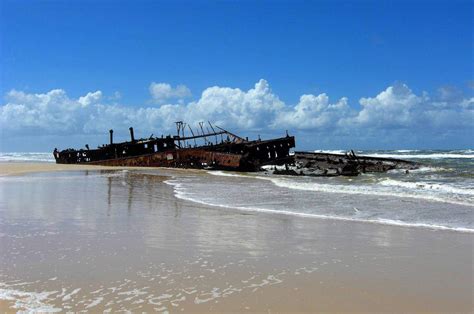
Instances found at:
x=439 y=195
x=26 y=157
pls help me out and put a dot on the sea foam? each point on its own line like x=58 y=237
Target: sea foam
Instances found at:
x=422 y=156
x=26 y=157
x=182 y=193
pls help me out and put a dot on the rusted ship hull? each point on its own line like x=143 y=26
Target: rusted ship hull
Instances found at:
x=187 y=158
x=231 y=153
x=198 y=158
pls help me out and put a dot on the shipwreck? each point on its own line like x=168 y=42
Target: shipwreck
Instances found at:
x=212 y=147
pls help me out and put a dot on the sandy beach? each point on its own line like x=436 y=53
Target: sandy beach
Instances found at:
x=236 y=156
x=18 y=168
x=94 y=238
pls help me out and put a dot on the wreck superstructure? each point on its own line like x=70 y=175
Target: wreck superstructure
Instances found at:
x=218 y=149
x=211 y=147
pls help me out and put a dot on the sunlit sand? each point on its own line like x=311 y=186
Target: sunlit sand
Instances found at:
x=101 y=239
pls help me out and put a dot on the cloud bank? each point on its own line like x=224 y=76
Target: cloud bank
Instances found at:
x=395 y=110
x=161 y=92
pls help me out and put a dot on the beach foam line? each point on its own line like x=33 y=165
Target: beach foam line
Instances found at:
x=331 y=151
x=421 y=156
x=228 y=174
x=179 y=193
x=427 y=186
x=285 y=182
x=406 y=150
x=33 y=302
x=407 y=153
x=362 y=190
x=17 y=157
x=421 y=170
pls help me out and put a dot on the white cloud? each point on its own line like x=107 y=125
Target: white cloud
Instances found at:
x=50 y=111
x=314 y=112
x=232 y=107
x=393 y=107
x=257 y=109
x=90 y=98
x=399 y=107
x=161 y=92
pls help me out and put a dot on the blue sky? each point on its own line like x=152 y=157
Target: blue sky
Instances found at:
x=344 y=49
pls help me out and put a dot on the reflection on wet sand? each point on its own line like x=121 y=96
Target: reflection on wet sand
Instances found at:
x=120 y=240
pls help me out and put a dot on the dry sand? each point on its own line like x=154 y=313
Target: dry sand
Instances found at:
x=127 y=243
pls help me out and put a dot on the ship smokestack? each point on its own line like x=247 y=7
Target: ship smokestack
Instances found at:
x=132 y=137
x=111 y=136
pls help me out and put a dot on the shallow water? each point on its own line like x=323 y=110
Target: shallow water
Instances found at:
x=438 y=195
x=120 y=240
x=108 y=240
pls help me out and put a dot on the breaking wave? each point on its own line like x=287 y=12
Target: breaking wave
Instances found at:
x=411 y=189
x=182 y=192
x=26 y=157
x=428 y=186
x=409 y=153
x=422 y=156
x=333 y=151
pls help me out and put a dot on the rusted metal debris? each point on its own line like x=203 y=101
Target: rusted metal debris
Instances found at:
x=216 y=148
x=349 y=164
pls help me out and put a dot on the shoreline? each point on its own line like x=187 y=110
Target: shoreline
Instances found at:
x=21 y=168
x=386 y=222
x=129 y=243
x=25 y=168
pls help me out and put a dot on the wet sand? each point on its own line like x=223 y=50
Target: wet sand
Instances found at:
x=18 y=168
x=99 y=239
